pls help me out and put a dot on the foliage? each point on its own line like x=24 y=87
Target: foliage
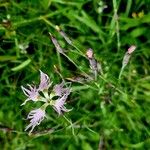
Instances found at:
x=108 y=113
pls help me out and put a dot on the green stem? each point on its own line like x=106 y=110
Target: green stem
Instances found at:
x=117 y=24
x=39 y=18
x=76 y=65
x=70 y=124
x=120 y=74
x=59 y=61
x=81 y=53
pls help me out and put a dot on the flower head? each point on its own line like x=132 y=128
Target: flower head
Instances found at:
x=31 y=93
x=35 y=116
x=59 y=89
x=42 y=94
x=63 y=93
x=58 y=105
x=44 y=81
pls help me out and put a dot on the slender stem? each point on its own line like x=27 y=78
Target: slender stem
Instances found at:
x=17 y=48
x=70 y=124
x=81 y=53
x=39 y=18
x=117 y=24
x=47 y=21
x=76 y=65
x=95 y=74
x=59 y=61
x=113 y=86
x=120 y=74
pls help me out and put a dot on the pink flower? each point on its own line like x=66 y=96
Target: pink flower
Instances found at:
x=59 y=104
x=31 y=93
x=63 y=93
x=42 y=94
x=35 y=116
x=44 y=81
x=60 y=90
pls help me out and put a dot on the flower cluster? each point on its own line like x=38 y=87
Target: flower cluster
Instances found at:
x=41 y=93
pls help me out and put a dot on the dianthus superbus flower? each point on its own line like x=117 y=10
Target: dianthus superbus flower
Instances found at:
x=59 y=89
x=43 y=93
x=35 y=116
x=44 y=82
x=58 y=105
x=31 y=93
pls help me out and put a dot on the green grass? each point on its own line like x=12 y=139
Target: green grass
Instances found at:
x=108 y=113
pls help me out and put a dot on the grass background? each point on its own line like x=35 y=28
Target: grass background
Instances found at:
x=107 y=113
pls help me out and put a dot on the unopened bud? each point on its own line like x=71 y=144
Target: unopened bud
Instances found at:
x=56 y=44
x=63 y=34
x=89 y=53
x=131 y=49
